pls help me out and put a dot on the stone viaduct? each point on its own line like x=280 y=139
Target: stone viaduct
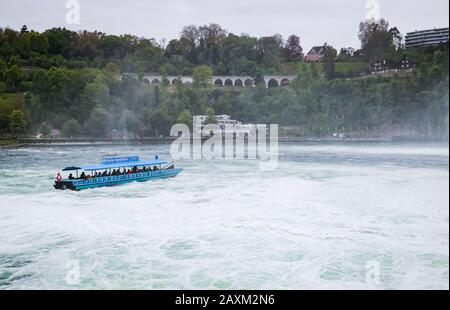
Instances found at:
x=231 y=81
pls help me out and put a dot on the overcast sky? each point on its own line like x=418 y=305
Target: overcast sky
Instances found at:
x=315 y=21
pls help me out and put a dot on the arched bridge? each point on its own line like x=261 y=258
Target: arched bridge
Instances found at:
x=231 y=81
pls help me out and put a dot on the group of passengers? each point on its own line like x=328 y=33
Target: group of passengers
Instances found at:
x=114 y=172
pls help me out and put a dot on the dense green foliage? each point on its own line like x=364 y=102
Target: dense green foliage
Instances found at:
x=18 y=122
x=70 y=81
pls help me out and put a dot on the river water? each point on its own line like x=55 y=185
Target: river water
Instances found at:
x=332 y=216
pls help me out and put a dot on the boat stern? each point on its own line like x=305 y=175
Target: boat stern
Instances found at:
x=62 y=185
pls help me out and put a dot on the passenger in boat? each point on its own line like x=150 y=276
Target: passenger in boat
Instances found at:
x=155 y=168
x=83 y=176
x=134 y=169
x=71 y=176
x=129 y=171
x=125 y=171
x=105 y=173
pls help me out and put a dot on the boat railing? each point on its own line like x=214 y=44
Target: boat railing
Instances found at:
x=168 y=165
x=123 y=177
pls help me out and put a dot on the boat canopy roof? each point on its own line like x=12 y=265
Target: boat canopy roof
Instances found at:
x=118 y=162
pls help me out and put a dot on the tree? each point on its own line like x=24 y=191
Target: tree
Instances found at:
x=202 y=75
x=375 y=39
x=41 y=83
x=112 y=69
x=23 y=45
x=221 y=68
x=185 y=117
x=14 y=75
x=45 y=129
x=293 y=50
x=329 y=61
x=39 y=43
x=158 y=120
x=71 y=129
x=2 y=88
x=94 y=94
x=313 y=70
x=99 y=123
x=18 y=122
x=87 y=44
x=191 y=34
x=269 y=50
x=210 y=116
x=3 y=68
x=259 y=76
x=60 y=41
x=130 y=123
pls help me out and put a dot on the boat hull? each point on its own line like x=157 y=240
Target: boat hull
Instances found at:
x=78 y=185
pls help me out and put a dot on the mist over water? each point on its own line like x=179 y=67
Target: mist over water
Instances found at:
x=314 y=223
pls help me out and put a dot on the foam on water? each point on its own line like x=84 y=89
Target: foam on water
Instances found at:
x=315 y=222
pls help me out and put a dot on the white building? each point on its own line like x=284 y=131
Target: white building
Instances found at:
x=426 y=37
x=225 y=123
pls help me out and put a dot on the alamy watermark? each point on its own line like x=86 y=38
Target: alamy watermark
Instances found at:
x=226 y=141
x=374 y=12
x=73 y=12
x=372 y=273
x=72 y=272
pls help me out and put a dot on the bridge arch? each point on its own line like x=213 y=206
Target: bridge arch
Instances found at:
x=218 y=82
x=272 y=83
x=248 y=83
x=285 y=82
x=228 y=82
x=238 y=83
x=155 y=81
x=174 y=81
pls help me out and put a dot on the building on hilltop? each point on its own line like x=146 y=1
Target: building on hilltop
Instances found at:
x=428 y=37
x=315 y=54
x=347 y=51
x=381 y=67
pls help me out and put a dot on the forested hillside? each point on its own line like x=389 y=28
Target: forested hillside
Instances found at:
x=90 y=83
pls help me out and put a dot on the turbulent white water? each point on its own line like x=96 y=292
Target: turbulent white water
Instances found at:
x=321 y=221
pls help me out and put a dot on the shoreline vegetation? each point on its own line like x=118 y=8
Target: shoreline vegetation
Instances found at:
x=33 y=142
x=91 y=84
x=10 y=143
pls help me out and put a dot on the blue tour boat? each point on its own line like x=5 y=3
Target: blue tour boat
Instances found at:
x=114 y=171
